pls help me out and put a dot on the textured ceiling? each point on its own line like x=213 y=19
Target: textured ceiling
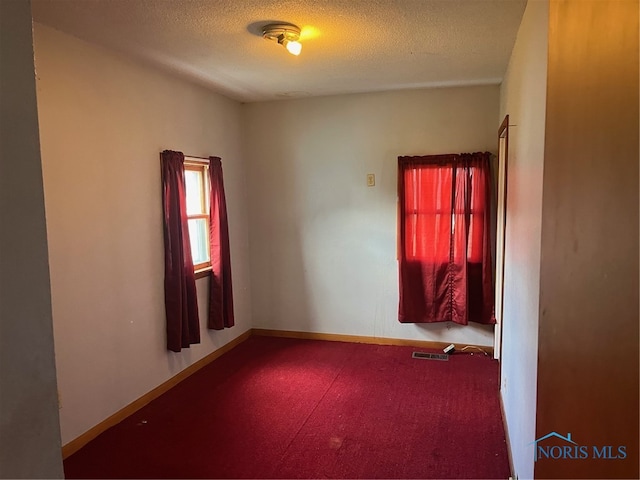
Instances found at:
x=348 y=45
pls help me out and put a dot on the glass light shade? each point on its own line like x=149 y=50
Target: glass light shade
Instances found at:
x=294 y=48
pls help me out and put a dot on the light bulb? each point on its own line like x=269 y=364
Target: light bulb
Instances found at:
x=286 y=34
x=294 y=48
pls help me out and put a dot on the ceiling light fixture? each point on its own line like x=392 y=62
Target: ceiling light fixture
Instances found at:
x=285 y=34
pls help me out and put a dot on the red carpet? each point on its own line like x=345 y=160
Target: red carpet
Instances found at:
x=285 y=408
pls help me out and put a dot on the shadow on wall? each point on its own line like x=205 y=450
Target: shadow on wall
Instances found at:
x=279 y=275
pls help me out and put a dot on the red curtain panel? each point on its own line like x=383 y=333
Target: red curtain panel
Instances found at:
x=221 y=292
x=445 y=254
x=181 y=305
x=480 y=287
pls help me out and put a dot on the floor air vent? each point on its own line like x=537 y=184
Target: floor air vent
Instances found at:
x=431 y=356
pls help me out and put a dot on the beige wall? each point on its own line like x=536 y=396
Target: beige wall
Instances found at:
x=588 y=339
x=104 y=119
x=29 y=427
x=522 y=97
x=323 y=244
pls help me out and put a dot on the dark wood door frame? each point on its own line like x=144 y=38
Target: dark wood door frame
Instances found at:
x=501 y=222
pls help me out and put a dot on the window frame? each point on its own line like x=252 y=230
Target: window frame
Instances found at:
x=201 y=269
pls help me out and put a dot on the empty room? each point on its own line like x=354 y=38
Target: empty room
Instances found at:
x=319 y=239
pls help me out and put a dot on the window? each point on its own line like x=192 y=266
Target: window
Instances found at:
x=195 y=210
x=445 y=262
x=196 y=176
x=427 y=209
x=433 y=203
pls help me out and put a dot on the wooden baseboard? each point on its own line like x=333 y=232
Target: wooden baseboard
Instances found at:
x=506 y=434
x=333 y=337
x=79 y=442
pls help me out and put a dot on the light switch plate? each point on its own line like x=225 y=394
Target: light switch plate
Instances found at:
x=371 y=180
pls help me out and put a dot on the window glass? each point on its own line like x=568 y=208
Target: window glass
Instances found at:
x=199 y=238
x=197 y=199
x=194 y=184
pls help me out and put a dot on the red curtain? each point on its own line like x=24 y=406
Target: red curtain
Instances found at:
x=445 y=251
x=181 y=305
x=221 y=293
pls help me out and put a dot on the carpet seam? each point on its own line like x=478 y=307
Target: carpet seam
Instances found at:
x=306 y=420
